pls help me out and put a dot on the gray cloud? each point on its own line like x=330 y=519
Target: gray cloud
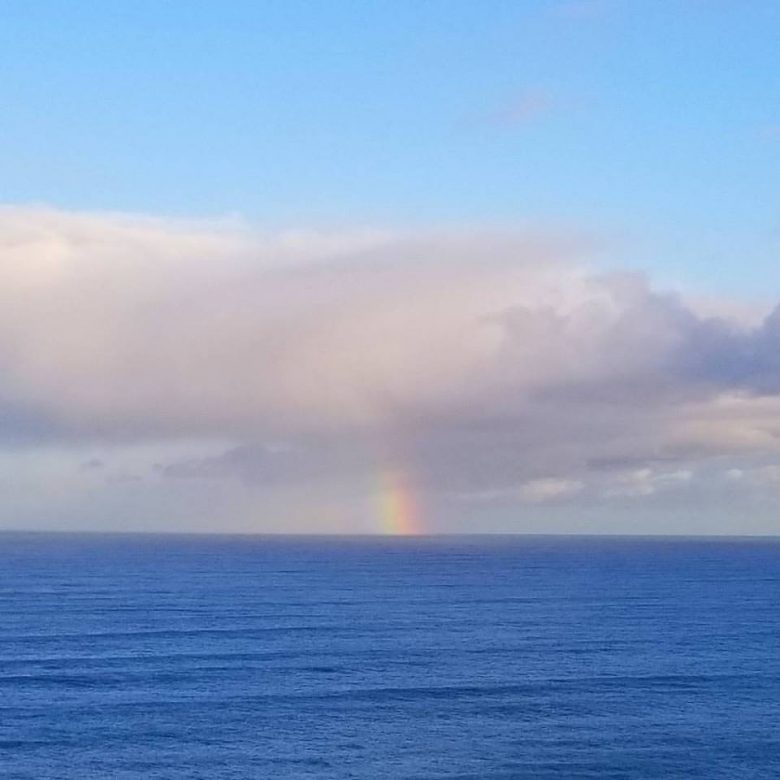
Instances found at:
x=269 y=463
x=93 y=464
x=485 y=362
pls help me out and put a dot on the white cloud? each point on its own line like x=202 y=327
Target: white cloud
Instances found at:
x=646 y=482
x=549 y=489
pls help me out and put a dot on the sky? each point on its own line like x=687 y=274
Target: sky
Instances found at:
x=390 y=267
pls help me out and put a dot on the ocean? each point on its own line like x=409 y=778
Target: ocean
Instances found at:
x=453 y=657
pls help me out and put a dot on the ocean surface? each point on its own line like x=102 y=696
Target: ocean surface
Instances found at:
x=464 y=657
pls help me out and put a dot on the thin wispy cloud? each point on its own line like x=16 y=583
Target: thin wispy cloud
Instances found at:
x=527 y=107
x=769 y=132
x=583 y=10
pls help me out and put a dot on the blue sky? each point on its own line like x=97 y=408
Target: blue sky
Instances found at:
x=351 y=266
x=656 y=124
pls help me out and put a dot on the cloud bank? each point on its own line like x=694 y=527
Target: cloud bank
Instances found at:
x=487 y=362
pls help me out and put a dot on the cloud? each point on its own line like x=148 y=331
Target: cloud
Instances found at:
x=765 y=475
x=541 y=490
x=646 y=482
x=769 y=132
x=580 y=10
x=484 y=362
x=526 y=107
x=268 y=463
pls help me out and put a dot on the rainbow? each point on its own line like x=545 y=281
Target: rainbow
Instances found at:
x=399 y=512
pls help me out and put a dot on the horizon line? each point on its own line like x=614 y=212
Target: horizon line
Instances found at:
x=401 y=537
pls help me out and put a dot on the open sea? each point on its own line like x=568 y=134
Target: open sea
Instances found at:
x=454 y=657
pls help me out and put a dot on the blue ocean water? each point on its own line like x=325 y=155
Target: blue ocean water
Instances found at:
x=465 y=657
